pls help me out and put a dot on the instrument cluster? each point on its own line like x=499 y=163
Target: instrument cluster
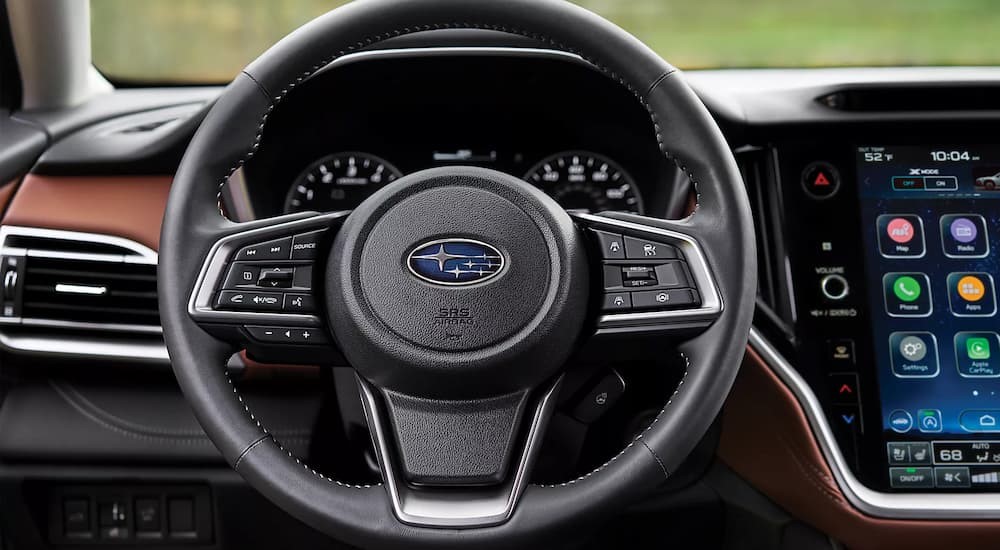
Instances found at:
x=577 y=180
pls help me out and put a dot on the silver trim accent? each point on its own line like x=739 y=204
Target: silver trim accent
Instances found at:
x=86 y=347
x=456 y=508
x=81 y=289
x=700 y=317
x=200 y=306
x=885 y=505
x=829 y=295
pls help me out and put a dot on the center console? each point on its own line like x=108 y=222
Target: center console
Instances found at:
x=888 y=243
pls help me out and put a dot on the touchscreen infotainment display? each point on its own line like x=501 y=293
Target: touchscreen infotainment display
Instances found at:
x=931 y=231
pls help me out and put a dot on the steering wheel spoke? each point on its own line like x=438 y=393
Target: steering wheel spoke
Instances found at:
x=456 y=464
x=256 y=286
x=652 y=275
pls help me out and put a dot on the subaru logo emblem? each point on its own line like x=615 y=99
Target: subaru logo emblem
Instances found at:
x=455 y=262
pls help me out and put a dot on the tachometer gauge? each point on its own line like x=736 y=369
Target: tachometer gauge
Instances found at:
x=588 y=182
x=339 y=182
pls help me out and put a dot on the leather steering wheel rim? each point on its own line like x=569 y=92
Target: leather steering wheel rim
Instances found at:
x=362 y=515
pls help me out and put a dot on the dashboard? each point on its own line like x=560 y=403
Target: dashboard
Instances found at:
x=571 y=132
x=878 y=232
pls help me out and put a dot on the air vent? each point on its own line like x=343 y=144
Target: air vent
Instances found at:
x=78 y=281
x=757 y=167
x=914 y=99
x=94 y=293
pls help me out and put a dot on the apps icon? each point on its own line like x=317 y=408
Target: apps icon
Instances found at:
x=964 y=236
x=971 y=294
x=914 y=355
x=929 y=420
x=900 y=235
x=907 y=294
x=977 y=354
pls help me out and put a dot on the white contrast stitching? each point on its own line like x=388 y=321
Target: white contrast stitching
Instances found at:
x=282 y=447
x=273 y=102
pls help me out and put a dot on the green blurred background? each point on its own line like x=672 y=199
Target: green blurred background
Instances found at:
x=210 y=40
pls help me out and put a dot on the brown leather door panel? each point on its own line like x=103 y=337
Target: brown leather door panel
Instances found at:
x=767 y=440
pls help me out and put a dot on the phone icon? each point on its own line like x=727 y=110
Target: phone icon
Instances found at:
x=907 y=288
x=978 y=348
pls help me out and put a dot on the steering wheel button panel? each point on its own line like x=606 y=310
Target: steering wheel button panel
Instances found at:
x=242 y=274
x=639 y=249
x=278 y=249
x=299 y=303
x=665 y=299
x=617 y=301
x=612 y=245
x=286 y=335
x=304 y=246
x=250 y=300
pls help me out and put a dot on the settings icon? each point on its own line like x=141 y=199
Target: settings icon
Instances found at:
x=913 y=348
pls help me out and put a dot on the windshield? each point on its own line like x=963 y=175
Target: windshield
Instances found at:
x=211 y=40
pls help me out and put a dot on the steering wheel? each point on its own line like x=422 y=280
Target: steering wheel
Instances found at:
x=458 y=294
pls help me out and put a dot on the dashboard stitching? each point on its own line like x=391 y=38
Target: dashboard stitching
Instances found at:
x=406 y=31
x=638 y=438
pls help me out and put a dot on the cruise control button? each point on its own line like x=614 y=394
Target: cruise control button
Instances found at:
x=278 y=249
x=284 y=335
x=276 y=277
x=665 y=299
x=672 y=274
x=250 y=301
x=617 y=301
x=638 y=249
x=911 y=478
x=304 y=245
x=639 y=283
x=638 y=272
x=242 y=274
x=612 y=277
x=612 y=247
x=299 y=303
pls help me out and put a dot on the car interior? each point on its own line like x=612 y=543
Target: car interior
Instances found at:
x=497 y=274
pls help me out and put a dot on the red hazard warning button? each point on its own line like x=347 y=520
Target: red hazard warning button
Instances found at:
x=820 y=180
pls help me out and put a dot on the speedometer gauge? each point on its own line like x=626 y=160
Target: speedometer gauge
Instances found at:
x=579 y=180
x=339 y=182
